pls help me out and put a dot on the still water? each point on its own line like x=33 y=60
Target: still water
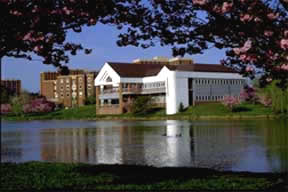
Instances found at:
x=254 y=145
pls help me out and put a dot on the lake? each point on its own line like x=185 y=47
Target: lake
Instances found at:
x=242 y=145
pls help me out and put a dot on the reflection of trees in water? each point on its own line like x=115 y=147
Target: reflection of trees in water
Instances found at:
x=215 y=146
x=11 y=146
x=276 y=139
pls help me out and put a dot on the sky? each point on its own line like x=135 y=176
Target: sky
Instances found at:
x=102 y=39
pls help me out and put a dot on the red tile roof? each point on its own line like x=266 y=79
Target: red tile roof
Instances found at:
x=144 y=70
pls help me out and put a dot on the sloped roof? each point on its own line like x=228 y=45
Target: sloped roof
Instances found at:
x=144 y=70
x=136 y=70
x=197 y=67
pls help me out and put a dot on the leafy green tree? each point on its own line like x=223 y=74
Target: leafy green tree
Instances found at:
x=279 y=97
x=4 y=95
x=90 y=100
x=17 y=105
x=141 y=105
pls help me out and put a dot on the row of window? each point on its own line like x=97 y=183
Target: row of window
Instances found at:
x=68 y=87
x=154 y=85
x=145 y=85
x=67 y=94
x=68 y=80
x=219 y=81
x=209 y=98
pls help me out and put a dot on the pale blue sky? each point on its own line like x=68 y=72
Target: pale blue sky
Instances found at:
x=103 y=41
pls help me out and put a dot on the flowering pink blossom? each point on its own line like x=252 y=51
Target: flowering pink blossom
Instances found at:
x=16 y=13
x=38 y=48
x=248 y=93
x=217 y=9
x=243 y=57
x=237 y=51
x=246 y=17
x=249 y=69
x=272 y=16
x=230 y=101
x=5 y=108
x=272 y=56
x=268 y=33
x=284 y=67
x=67 y=11
x=28 y=36
x=226 y=7
x=284 y=44
x=247 y=45
x=257 y=19
x=286 y=33
x=269 y=79
x=199 y=2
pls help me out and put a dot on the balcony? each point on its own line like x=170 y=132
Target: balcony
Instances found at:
x=143 y=90
x=114 y=93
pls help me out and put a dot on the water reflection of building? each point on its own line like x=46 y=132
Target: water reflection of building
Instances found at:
x=113 y=145
x=223 y=145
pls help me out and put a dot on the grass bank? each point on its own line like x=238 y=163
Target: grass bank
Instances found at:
x=203 y=111
x=83 y=177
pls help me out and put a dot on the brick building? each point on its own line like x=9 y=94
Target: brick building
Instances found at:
x=69 y=90
x=13 y=87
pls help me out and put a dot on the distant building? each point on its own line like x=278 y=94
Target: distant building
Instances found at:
x=69 y=90
x=13 y=87
x=169 y=82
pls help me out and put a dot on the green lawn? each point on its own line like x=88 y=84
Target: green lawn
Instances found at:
x=60 y=176
x=211 y=110
x=219 y=109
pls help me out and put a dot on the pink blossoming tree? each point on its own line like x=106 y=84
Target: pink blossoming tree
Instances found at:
x=253 y=32
x=231 y=102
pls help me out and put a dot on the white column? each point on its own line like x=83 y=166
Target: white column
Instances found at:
x=171 y=95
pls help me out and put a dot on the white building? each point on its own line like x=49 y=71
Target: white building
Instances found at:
x=170 y=82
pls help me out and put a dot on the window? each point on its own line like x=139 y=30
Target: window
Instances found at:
x=67 y=80
x=80 y=93
x=61 y=81
x=67 y=94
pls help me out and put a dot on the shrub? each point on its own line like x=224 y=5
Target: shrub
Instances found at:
x=231 y=102
x=17 y=105
x=6 y=108
x=39 y=105
x=181 y=107
x=249 y=94
x=90 y=100
x=265 y=100
x=141 y=105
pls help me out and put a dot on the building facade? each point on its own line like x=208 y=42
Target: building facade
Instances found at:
x=13 y=87
x=169 y=82
x=69 y=90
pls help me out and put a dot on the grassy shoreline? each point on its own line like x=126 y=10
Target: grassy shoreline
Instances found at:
x=200 y=112
x=83 y=177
